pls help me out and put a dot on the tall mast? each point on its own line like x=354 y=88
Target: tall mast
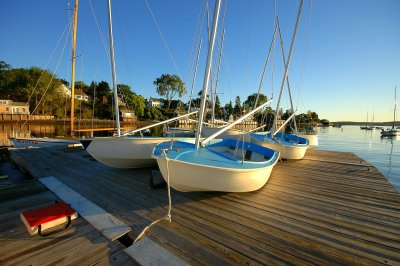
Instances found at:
x=288 y=64
x=113 y=69
x=394 y=112
x=207 y=72
x=73 y=67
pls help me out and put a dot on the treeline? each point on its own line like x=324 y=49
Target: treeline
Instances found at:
x=42 y=90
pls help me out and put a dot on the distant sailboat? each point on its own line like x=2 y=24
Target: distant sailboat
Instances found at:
x=392 y=131
x=215 y=164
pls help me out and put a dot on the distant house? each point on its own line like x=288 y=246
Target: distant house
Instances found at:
x=65 y=90
x=153 y=102
x=127 y=115
x=78 y=93
x=9 y=107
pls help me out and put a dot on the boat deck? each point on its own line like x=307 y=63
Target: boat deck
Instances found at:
x=329 y=208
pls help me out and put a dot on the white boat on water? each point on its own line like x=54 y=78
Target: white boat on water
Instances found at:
x=215 y=164
x=392 y=132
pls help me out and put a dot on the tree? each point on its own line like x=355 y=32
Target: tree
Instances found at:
x=237 y=109
x=4 y=66
x=218 y=110
x=249 y=103
x=169 y=86
x=229 y=108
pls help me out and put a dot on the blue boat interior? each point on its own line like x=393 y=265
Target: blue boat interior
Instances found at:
x=285 y=138
x=226 y=153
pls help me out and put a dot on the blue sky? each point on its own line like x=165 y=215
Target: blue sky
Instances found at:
x=346 y=60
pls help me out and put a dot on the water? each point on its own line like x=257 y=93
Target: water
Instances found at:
x=383 y=153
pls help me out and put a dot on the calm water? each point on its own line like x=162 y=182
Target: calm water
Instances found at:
x=383 y=153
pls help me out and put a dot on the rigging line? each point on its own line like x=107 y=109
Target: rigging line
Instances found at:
x=192 y=50
x=162 y=37
x=247 y=52
x=80 y=102
x=52 y=77
x=273 y=54
x=51 y=56
x=303 y=65
x=100 y=32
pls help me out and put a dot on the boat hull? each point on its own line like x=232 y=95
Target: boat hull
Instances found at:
x=287 y=150
x=188 y=169
x=124 y=152
x=312 y=140
x=390 y=133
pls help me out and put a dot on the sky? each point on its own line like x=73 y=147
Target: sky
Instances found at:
x=345 y=63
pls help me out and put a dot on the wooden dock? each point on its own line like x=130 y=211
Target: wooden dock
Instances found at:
x=330 y=208
x=79 y=244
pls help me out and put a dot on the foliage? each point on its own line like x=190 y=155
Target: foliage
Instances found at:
x=249 y=103
x=237 y=110
x=153 y=113
x=169 y=86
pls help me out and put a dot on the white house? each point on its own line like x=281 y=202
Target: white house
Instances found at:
x=153 y=102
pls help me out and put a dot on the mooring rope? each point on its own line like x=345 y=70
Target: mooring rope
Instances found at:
x=167 y=217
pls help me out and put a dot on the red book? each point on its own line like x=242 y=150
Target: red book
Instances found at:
x=42 y=219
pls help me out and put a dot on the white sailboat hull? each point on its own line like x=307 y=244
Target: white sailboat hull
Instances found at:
x=286 y=149
x=207 y=178
x=225 y=165
x=287 y=152
x=124 y=152
x=312 y=140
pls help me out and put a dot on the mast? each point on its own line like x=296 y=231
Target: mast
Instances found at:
x=195 y=74
x=394 y=112
x=287 y=65
x=73 y=68
x=287 y=80
x=217 y=79
x=113 y=69
x=207 y=72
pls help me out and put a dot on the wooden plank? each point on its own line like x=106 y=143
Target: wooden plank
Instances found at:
x=148 y=252
x=107 y=224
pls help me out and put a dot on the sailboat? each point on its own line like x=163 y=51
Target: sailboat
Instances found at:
x=54 y=142
x=125 y=151
x=290 y=146
x=392 y=132
x=215 y=164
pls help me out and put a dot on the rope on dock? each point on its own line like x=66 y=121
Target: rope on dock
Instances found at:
x=167 y=217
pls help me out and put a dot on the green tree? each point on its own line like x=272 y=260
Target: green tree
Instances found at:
x=249 y=103
x=169 y=86
x=237 y=108
x=229 y=108
x=4 y=66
